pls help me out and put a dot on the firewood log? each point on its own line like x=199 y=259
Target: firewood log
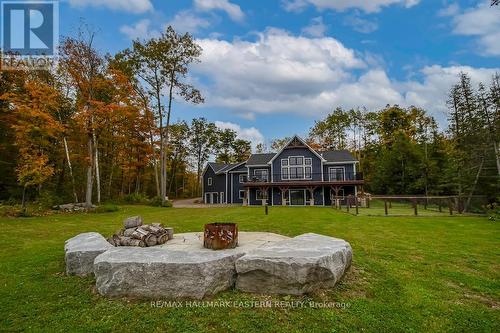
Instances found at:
x=133 y=221
x=170 y=232
x=128 y=232
x=119 y=232
x=116 y=240
x=140 y=234
x=111 y=241
x=155 y=230
x=127 y=241
x=150 y=240
x=158 y=225
x=162 y=239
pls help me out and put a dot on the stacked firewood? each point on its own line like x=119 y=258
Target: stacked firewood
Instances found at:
x=135 y=233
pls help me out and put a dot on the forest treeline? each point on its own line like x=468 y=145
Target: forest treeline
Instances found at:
x=98 y=128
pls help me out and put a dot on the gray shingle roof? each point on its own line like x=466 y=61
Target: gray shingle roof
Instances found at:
x=337 y=156
x=260 y=159
x=217 y=166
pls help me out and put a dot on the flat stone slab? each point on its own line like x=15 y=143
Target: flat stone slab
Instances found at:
x=81 y=250
x=295 y=266
x=193 y=241
x=156 y=272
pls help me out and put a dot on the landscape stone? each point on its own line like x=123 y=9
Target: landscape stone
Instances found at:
x=81 y=250
x=295 y=266
x=158 y=272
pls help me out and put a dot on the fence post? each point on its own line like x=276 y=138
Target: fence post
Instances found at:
x=385 y=207
x=367 y=198
x=348 y=202
x=356 y=202
x=440 y=206
x=415 y=205
x=266 y=209
x=450 y=205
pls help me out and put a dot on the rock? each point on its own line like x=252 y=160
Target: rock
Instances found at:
x=132 y=222
x=158 y=272
x=294 y=266
x=81 y=250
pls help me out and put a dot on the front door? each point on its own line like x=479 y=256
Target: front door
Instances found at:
x=297 y=197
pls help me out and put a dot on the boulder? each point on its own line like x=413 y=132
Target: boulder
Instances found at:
x=294 y=266
x=81 y=250
x=158 y=272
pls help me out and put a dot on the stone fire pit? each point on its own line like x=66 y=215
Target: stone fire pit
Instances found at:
x=264 y=263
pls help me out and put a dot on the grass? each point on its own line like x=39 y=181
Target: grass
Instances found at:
x=410 y=274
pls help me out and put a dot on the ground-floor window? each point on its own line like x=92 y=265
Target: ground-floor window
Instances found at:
x=242 y=194
x=260 y=195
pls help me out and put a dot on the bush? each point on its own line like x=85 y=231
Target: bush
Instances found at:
x=107 y=208
x=493 y=211
x=156 y=202
x=136 y=198
x=47 y=200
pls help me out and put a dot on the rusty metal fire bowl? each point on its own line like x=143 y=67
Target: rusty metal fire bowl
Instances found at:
x=220 y=236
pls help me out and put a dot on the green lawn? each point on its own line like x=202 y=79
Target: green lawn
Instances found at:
x=408 y=274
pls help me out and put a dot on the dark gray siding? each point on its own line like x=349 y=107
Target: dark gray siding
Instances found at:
x=237 y=186
x=218 y=183
x=316 y=162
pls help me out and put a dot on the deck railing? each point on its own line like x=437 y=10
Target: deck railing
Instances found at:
x=325 y=177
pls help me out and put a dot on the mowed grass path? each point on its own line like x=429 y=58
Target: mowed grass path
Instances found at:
x=409 y=274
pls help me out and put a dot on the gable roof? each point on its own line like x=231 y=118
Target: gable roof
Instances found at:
x=338 y=156
x=296 y=137
x=260 y=159
x=217 y=167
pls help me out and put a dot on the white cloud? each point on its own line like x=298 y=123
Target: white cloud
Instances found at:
x=132 y=6
x=360 y=24
x=186 y=21
x=250 y=134
x=451 y=10
x=316 y=29
x=234 y=11
x=369 y=6
x=431 y=92
x=282 y=73
x=482 y=21
x=140 y=30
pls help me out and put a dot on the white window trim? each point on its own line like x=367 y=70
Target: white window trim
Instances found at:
x=330 y=173
x=267 y=173
x=239 y=194
x=209 y=181
x=303 y=165
x=240 y=178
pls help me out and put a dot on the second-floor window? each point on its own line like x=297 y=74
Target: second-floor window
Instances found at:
x=261 y=175
x=210 y=181
x=336 y=173
x=296 y=167
x=243 y=179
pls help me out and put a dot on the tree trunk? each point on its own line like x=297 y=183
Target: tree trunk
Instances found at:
x=66 y=150
x=474 y=185
x=167 y=127
x=23 y=202
x=96 y=165
x=88 y=192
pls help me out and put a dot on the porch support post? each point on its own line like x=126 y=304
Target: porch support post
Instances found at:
x=311 y=190
x=283 y=191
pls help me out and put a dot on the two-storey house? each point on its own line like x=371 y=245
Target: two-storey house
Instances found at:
x=297 y=175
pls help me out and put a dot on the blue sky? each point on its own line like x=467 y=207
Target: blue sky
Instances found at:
x=271 y=68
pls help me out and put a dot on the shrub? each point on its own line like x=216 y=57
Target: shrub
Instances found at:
x=136 y=198
x=47 y=200
x=156 y=202
x=107 y=208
